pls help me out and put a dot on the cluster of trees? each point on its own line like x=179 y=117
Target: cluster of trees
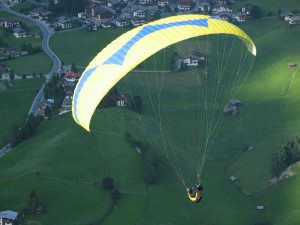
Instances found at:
x=110 y=98
x=31 y=50
x=54 y=91
x=287 y=154
x=109 y=185
x=256 y=12
x=33 y=202
x=136 y=103
x=173 y=61
x=68 y=6
x=18 y=134
x=150 y=158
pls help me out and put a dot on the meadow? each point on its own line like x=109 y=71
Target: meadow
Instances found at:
x=65 y=165
x=15 y=103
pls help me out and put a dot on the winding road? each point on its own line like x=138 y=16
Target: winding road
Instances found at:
x=47 y=33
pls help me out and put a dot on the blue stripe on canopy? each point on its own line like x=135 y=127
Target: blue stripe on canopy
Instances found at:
x=84 y=78
x=119 y=56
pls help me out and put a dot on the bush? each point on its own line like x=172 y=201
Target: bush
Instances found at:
x=108 y=183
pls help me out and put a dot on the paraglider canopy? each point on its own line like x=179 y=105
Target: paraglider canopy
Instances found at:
x=132 y=48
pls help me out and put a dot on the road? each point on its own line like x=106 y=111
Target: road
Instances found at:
x=47 y=33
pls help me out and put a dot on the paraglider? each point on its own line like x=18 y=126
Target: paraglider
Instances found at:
x=195 y=193
x=130 y=49
x=119 y=57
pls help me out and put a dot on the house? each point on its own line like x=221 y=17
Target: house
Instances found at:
x=139 y=12
x=72 y=76
x=241 y=17
x=122 y=101
x=204 y=6
x=11 y=23
x=233 y=178
x=35 y=12
x=230 y=110
x=221 y=8
x=64 y=22
x=247 y=9
x=44 y=15
x=106 y=23
x=5 y=76
x=222 y=2
x=292 y=65
x=286 y=15
x=103 y=12
x=260 y=207
x=43 y=104
x=294 y=20
x=162 y=3
x=194 y=58
x=153 y=10
x=8 y=217
x=19 y=32
x=138 y=21
x=67 y=102
x=224 y=16
x=235 y=102
x=14 y=1
x=145 y=2
x=112 y=3
x=185 y=5
x=92 y=27
x=122 y=22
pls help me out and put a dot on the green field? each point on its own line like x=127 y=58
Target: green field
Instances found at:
x=65 y=165
x=83 y=46
x=39 y=63
x=15 y=103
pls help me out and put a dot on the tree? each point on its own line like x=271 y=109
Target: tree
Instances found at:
x=256 y=12
x=12 y=74
x=108 y=183
x=173 y=61
x=109 y=99
x=48 y=111
x=279 y=12
x=33 y=201
x=74 y=68
x=136 y=103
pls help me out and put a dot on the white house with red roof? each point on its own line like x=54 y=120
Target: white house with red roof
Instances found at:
x=72 y=76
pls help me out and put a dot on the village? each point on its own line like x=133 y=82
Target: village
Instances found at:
x=123 y=13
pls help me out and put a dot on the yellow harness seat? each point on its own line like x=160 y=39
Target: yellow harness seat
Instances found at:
x=195 y=197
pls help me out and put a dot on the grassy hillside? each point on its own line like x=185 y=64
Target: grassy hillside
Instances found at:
x=15 y=103
x=64 y=165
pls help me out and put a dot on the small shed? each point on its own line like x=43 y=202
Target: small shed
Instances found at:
x=292 y=65
x=260 y=207
x=235 y=102
x=233 y=178
x=230 y=110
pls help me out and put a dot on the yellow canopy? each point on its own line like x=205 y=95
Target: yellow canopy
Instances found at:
x=133 y=47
